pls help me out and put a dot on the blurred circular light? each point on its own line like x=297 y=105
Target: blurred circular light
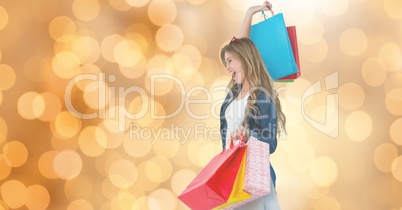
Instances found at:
x=8 y=77
x=353 y=42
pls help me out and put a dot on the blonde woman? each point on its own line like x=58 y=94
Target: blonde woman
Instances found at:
x=252 y=106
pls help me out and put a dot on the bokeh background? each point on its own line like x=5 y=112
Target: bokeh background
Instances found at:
x=53 y=158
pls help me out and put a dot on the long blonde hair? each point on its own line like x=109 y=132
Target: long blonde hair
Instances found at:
x=256 y=73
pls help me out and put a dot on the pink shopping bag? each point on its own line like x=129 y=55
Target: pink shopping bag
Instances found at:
x=257 y=181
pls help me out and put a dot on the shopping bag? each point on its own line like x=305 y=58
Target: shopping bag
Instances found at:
x=257 y=181
x=237 y=194
x=213 y=185
x=295 y=49
x=272 y=40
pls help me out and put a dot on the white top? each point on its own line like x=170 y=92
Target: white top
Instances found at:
x=234 y=115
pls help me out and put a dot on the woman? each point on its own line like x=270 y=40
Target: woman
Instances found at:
x=252 y=106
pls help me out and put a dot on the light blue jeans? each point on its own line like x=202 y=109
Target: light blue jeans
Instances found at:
x=267 y=202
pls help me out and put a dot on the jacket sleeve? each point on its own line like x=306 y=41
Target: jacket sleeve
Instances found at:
x=263 y=124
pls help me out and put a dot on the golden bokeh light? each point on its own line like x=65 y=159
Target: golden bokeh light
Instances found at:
x=122 y=173
x=397 y=168
x=383 y=156
x=193 y=152
x=123 y=200
x=8 y=77
x=358 y=125
x=158 y=169
x=62 y=28
x=3 y=18
x=45 y=164
x=66 y=65
x=92 y=141
x=353 y=42
x=138 y=3
x=31 y=105
x=162 y=12
x=323 y=171
x=351 y=96
x=5 y=168
x=393 y=101
x=80 y=204
x=127 y=53
x=120 y=5
x=392 y=8
x=65 y=125
x=135 y=71
x=162 y=199
x=196 y=2
x=38 y=197
x=309 y=30
x=182 y=158
x=374 y=72
x=136 y=147
x=207 y=151
x=391 y=54
x=86 y=48
x=114 y=137
x=393 y=82
x=181 y=179
x=52 y=106
x=86 y=10
x=78 y=187
x=14 y=193
x=169 y=37
x=109 y=191
x=67 y=164
x=108 y=45
x=166 y=148
x=104 y=161
x=184 y=63
x=97 y=94
x=136 y=68
x=395 y=131
x=3 y=130
x=334 y=7
x=143 y=180
x=15 y=153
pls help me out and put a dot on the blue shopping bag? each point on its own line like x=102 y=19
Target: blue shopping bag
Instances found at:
x=272 y=41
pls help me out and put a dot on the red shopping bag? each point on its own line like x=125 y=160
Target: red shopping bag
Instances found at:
x=213 y=185
x=293 y=42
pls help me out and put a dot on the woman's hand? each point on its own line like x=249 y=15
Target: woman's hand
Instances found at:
x=241 y=130
x=259 y=8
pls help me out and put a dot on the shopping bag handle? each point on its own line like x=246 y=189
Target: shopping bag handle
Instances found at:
x=242 y=140
x=269 y=9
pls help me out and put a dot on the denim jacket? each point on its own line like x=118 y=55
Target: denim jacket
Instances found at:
x=262 y=125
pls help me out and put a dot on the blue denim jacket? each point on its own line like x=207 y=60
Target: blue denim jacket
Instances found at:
x=262 y=125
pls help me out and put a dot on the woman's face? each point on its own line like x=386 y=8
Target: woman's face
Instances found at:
x=234 y=66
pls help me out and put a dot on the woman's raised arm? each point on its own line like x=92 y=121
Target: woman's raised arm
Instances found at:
x=245 y=27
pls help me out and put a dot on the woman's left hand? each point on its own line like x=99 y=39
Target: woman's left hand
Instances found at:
x=240 y=130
